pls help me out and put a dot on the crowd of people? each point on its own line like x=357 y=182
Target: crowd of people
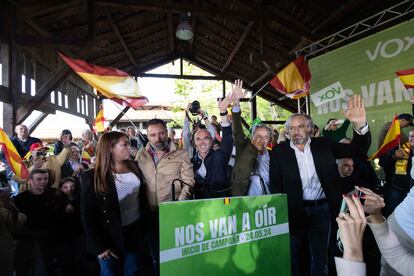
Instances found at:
x=76 y=216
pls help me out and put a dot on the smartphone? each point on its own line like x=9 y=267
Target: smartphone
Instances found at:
x=344 y=209
x=344 y=206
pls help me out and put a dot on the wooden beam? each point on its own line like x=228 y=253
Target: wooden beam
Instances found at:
x=26 y=12
x=37 y=28
x=185 y=77
x=253 y=103
x=60 y=42
x=37 y=122
x=274 y=122
x=238 y=45
x=194 y=27
x=154 y=64
x=120 y=38
x=91 y=6
x=262 y=77
x=158 y=6
x=284 y=20
x=336 y=15
x=42 y=93
x=170 y=30
x=4 y=92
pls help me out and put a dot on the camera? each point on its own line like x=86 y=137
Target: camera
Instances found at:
x=195 y=106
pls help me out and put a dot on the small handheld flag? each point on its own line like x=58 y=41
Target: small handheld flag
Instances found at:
x=392 y=139
x=12 y=156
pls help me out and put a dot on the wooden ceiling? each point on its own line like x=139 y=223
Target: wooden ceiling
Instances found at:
x=251 y=39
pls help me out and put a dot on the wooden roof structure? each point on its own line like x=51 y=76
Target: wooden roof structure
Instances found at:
x=251 y=39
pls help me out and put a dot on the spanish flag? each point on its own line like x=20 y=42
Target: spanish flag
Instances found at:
x=392 y=139
x=85 y=157
x=293 y=80
x=112 y=83
x=407 y=77
x=12 y=156
x=99 y=123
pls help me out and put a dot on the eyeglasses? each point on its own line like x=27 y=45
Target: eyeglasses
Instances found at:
x=294 y=128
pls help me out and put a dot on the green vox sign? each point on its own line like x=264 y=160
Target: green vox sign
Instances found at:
x=367 y=67
x=232 y=236
x=330 y=93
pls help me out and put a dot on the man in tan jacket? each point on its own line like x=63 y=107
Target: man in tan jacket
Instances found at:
x=161 y=163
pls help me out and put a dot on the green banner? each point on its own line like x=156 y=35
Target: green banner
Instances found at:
x=231 y=236
x=367 y=67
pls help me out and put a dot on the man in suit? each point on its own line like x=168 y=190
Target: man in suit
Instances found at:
x=305 y=169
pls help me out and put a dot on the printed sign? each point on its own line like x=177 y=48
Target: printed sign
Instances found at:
x=231 y=236
x=367 y=67
x=330 y=93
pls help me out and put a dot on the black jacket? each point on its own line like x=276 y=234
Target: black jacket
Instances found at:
x=401 y=182
x=101 y=217
x=216 y=163
x=285 y=177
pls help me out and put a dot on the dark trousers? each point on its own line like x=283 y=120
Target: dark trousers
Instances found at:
x=153 y=237
x=393 y=196
x=317 y=231
x=35 y=258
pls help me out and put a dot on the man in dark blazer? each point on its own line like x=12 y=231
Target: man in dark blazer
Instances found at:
x=305 y=169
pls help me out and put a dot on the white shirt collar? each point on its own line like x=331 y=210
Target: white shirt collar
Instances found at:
x=307 y=145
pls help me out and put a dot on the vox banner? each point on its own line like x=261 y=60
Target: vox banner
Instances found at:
x=366 y=67
x=225 y=236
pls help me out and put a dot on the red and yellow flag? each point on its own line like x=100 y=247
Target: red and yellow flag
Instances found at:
x=293 y=80
x=85 y=157
x=392 y=139
x=99 y=123
x=407 y=77
x=12 y=156
x=114 y=84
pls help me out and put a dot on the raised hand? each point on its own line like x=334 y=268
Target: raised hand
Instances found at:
x=237 y=91
x=223 y=104
x=373 y=202
x=356 y=111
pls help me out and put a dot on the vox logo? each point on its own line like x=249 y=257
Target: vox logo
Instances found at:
x=390 y=48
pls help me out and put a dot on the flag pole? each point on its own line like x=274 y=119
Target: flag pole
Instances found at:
x=261 y=88
x=132 y=123
x=125 y=115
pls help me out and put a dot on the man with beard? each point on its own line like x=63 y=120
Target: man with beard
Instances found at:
x=162 y=164
x=305 y=169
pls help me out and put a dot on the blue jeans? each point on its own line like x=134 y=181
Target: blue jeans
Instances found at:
x=318 y=227
x=128 y=265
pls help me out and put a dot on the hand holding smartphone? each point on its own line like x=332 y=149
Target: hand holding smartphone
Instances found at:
x=344 y=209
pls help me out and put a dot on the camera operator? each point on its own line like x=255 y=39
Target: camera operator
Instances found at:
x=187 y=134
x=210 y=166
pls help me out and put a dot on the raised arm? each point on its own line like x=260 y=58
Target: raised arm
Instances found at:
x=238 y=134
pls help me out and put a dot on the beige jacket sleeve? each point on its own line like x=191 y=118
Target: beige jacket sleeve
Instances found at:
x=347 y=267
x=187 y=175
x=394 y=253
x=63 y=156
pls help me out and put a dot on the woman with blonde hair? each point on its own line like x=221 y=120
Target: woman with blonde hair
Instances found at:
x=112 y=204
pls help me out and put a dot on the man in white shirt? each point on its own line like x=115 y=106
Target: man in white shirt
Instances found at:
x=305 y=169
